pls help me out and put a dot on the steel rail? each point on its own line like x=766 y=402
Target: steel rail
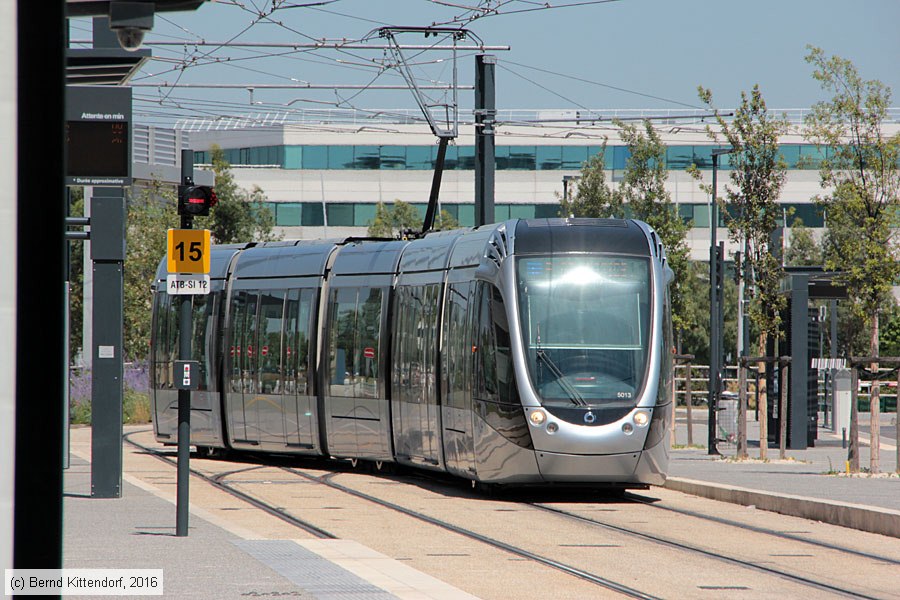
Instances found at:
x=581 y=574
x=707 y=553
x=765 y=531
x=215 y=481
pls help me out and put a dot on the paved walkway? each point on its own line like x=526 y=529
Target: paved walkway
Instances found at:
x=817 y=472
x=814 y=474
x=221 y=560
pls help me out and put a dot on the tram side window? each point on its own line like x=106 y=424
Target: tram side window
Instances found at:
x=342 y=342
x=400 y=375
x=369 y=337
x=238 y=316
x=668 y=348
x=415 y=347
x=354 y=342
x=506 y=377
x=486 y=364
x=428 y=328
x=271 y=312
x=203 y=324
x=458 y=366
x=296 y=343
x=244 y=341
x=495 y=378
x=164 y=348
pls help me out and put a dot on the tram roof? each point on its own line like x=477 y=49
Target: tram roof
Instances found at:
x=545 y=236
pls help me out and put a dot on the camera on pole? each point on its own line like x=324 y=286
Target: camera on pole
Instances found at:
x=196 y=200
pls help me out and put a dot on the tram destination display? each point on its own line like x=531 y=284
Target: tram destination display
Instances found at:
x=97 y=149
x=98 y=136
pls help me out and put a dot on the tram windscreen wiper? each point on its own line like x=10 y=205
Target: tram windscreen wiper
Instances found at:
x=575 y=396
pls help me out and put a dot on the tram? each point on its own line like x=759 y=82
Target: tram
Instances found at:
x=529 y=352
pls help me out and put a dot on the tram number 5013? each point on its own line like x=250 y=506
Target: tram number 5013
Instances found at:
x=188 y=250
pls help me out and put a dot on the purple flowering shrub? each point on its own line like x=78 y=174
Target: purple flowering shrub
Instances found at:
x=135 y=401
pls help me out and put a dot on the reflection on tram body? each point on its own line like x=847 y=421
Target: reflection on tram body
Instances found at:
x=527 y=352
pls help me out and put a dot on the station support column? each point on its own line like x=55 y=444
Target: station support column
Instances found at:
x=485 y=117
x=107 y=373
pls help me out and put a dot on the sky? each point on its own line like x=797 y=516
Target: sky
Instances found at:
x=614 y=54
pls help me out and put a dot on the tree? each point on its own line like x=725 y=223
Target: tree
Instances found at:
x=862 y=178
x=803 y=250
x=890 y=338
x=394 y=221
x=643 y=191
x=750 y=205
x=445 y=221
x=239 y=216
x=695 y=294
x=593 y=196
x=150 y=213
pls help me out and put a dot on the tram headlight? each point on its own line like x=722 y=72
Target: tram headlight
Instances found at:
x=537 y=417
x=627 y=428
x=641 y=418
x=552 y=427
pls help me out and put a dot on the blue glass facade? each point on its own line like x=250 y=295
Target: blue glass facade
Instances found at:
x=523 y=158
x=360 y=214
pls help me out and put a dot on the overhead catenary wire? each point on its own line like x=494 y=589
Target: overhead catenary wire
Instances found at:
x=344 y=52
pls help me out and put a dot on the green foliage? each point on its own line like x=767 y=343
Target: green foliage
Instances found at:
x=445 y=221
x=803 y=250
x=76 y=277
x=890 y=338
x=150 y=213
x=750 y=204
x=135 y=399
x=862 y=180
x=135 y=407
x=593 y=196
x=643 y=191
x=695 y=293
x=394 y=221
x=240 y=215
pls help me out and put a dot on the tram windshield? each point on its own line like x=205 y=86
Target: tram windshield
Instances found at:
x=586 y=326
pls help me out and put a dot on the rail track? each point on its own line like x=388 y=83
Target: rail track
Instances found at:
x=222 y=480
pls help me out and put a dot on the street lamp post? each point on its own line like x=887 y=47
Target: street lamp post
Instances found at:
x=715 y=313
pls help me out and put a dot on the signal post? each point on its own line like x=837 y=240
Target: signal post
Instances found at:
x=188 y=274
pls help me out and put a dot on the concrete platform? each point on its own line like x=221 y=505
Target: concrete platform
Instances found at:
x=219 y=558
x=233 y=553
x=810 y=483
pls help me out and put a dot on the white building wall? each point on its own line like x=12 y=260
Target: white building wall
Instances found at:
x=457 y=187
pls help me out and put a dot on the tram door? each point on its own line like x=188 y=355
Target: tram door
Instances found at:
x=355 y=405
x=456 y=379
x=243 y=385
x=269 y=407
x=298 y=402
x=415 y=418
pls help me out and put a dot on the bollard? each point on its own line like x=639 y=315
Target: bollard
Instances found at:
x=783 y=414
x=742 y=411
x=690 y=400
x=844 y=438
x=853 y=450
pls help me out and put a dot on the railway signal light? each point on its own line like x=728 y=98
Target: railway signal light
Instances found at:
x=196 y=200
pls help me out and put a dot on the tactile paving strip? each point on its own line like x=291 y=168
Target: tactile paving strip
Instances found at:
x=315 y=575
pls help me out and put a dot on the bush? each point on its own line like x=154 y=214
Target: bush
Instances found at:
x=135 y=400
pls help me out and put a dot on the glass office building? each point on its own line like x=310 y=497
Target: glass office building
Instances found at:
x=324 y=177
